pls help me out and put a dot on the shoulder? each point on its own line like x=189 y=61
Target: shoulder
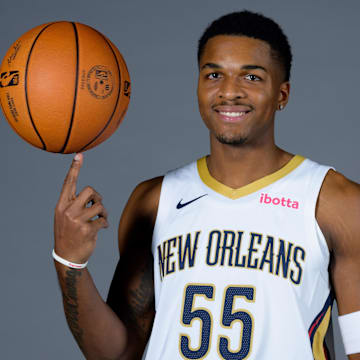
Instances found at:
x=338 y=210
x=336 y=186
x=146 y=196
x=338 y=216
x=140 y=210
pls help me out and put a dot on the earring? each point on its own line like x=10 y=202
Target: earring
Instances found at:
x=281 y=107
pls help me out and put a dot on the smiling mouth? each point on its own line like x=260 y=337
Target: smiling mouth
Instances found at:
x=232 y=116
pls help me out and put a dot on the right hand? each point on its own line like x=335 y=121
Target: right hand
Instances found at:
x=75 y=231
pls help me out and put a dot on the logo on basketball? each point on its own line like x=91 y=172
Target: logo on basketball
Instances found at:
x=12 y=56
x=9 y=78
x=100 y=82
x=127 y=88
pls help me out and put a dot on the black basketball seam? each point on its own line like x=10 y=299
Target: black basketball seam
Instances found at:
x=25 y=83
x=118 y=95
x=76 y=88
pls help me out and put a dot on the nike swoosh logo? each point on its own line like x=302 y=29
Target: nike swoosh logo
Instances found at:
x=181 y=205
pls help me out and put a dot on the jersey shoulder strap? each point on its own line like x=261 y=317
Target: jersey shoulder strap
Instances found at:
x=178 y=186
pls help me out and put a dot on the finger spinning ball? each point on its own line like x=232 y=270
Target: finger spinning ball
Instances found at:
x=64 y=87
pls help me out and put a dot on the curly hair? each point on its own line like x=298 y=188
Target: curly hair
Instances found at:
x=254 y=25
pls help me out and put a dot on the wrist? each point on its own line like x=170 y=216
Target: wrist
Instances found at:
x=68 y=263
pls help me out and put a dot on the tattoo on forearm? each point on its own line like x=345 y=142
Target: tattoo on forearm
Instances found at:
x=70 y=300
x=141 y=298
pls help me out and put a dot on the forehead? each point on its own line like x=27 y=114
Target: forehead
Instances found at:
x=223 y=49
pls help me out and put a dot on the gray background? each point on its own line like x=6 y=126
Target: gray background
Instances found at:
x=162 y=130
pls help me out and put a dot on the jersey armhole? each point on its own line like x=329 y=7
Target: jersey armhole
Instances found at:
x=314 y=227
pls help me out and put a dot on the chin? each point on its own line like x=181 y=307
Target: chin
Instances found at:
x=231 y=140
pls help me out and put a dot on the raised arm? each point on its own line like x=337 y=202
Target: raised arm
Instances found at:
x=339 y=217
x=98 y=330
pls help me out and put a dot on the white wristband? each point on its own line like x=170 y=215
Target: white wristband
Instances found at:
x=67 y=263
x=350 y=331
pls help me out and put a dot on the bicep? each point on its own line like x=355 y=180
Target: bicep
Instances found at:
x=345 y=264
x=340 y=215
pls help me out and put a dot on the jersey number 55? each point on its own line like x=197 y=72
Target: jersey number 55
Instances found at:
x=228 y=317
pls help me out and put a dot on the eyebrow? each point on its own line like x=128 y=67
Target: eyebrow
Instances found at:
x=244 y=67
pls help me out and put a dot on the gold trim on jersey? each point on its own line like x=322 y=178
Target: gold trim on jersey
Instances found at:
x=254 y=186
x=319 y=336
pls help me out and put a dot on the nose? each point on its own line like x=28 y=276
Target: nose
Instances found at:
x=231 y=89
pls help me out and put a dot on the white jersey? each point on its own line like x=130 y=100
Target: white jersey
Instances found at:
x=240 y=273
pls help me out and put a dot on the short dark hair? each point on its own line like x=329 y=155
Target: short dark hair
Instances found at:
x=254 y=25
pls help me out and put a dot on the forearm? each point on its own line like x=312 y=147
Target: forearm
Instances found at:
x=98 y=331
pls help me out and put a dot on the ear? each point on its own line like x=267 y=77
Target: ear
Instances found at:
x=284 y=93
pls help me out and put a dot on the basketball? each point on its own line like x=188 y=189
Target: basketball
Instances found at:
x=64 y=87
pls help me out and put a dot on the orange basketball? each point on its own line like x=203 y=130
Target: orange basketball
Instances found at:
x=64 y=87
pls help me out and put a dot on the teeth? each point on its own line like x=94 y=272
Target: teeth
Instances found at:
x=232 y=114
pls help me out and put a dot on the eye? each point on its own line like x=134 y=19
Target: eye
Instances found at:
x=252 y=77
x=213 y=76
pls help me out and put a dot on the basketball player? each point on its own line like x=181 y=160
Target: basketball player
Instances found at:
x=235 y=256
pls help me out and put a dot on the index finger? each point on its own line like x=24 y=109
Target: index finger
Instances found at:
x=68 y=191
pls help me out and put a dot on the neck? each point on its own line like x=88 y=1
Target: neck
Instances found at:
x=237 y=166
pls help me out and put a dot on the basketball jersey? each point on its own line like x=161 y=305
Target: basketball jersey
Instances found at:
x=240 y=273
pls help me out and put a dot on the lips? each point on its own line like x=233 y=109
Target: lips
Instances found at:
x=232 y=113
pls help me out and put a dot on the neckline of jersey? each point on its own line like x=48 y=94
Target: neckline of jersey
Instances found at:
x=248 y=189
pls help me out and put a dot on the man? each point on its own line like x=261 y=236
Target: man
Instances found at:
x=227 y=257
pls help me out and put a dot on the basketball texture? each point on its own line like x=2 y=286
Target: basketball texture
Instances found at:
x=64 y=87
